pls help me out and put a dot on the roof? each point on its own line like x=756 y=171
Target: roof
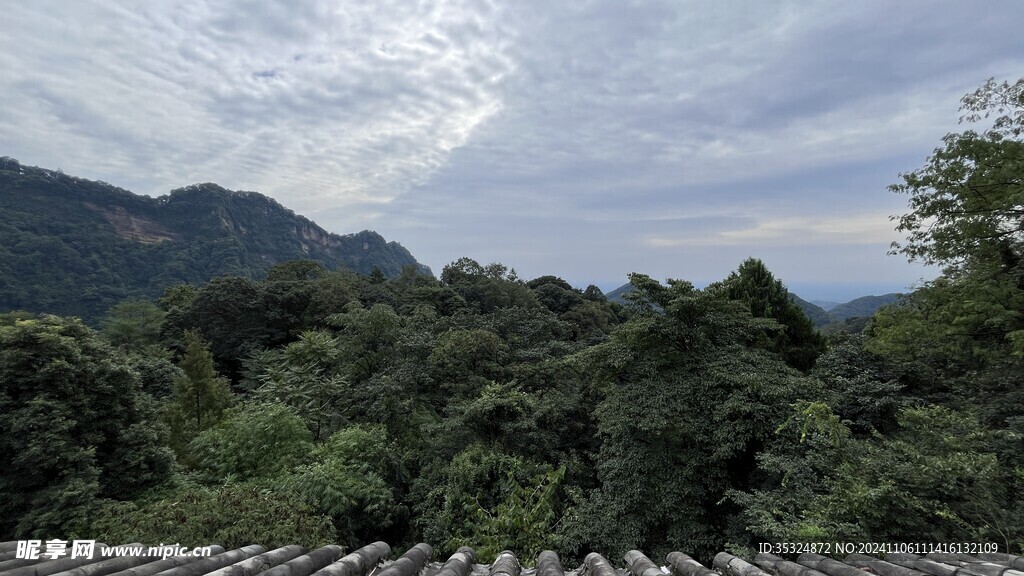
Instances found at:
x=373 y=560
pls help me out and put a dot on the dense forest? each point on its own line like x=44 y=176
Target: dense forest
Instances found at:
x=314 y=406
x=75 y=247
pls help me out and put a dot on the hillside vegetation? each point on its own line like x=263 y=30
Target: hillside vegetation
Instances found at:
x=75 y=247
x=847 y=317
x=314 y=405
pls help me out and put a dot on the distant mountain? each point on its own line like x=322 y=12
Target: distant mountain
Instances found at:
x=863 y=306
x=825 y=304
x=72 y=246
x=617 y=294
x=841 y=317
x=818 y=315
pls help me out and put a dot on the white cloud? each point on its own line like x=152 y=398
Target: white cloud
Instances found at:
x=873 y=228
x=650 y=123
x=311 y=102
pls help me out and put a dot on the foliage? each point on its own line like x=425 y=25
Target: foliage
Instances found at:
x=77 y=427
x=306 y=376
x=354 y=479
x=689 y=400
x=75 y=247
x=133 y=324
x=465 y=360
x=253 y=441
x=954 y=325
x=966 y=201
x=232 y=516
x=946 y=359
x=865 y=389
x=588 y=314
x=526 y=521
x=156 y=371
x=798 y=342
x=484 y=497
x=488 y=410
x=199 y=397
x=934 y=479
x=966 y=328
x=487 y=288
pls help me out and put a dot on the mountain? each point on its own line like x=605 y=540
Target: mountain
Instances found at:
x=75 y=247
x=818 y=315
x=863 y=306
x=838 y=318
x=825 y=304
x=617 y=294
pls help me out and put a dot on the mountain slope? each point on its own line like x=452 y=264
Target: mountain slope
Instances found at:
x=818 y=316
x=863 y=306
x=72 y=246
x=617 y=294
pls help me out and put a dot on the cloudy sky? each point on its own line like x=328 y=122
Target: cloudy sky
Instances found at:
x=582 y=139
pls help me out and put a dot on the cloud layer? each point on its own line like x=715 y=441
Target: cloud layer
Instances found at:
x=582 y=139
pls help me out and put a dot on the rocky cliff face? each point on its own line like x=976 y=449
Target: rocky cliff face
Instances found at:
x=75 y=246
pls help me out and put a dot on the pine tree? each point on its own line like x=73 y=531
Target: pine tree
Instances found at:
x=200 y=396
x=798 y=343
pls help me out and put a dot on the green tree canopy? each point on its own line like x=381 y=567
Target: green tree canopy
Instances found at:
x=355 y=478
x=133 y=324
x=232 y=515
x=753 y=284
x=255 y=440
x=199 y=397
x=689 y=401
x=76 y=424
x=308 y=376
x=967 y=202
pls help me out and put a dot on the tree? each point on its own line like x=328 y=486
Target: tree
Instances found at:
x=367 y=336
x=934 y=478
x=967 y=214
x=690 y=400
x=753 y=284
x=354 y=479
x=200 y=396
x=967 y=201
x=306 y=375
x=254 y=440
x=527 y=520
x=462 y=270
x=133 y=324
x=76 y=424
x=487 y=288
x=463 y=361
x=156 y=371
x=491 y=500
x=296 y=270
x=865 y=389
x=228 y=312
x=232 y=515
x=960 y=338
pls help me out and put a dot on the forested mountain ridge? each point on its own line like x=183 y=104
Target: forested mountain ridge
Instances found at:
x=863 y=306
x=818 y=315
x=72 y=246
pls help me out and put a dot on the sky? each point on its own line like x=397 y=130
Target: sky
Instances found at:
x=582 y=139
